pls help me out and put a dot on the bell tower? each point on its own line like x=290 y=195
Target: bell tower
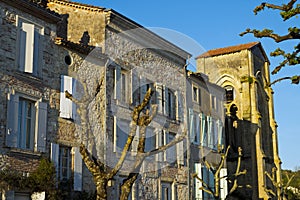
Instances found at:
x=243 y=71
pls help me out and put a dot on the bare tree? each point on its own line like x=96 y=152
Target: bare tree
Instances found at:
x=287 y=11
x=103 y=174
x=215 y=191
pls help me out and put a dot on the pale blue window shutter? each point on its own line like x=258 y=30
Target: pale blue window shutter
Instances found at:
x=66 y=105
x=209 y=132
x=166 y=101
x=180 y=153
x=159 y=97
x=74 y=90
x=77 y=170
x=134 y=88
x=12 y=120
x=179 y=106
x=118 y=83
x=159 y=143
x=221 y=138
x=204 y=131
x=36 y=51
x=41 y=133
x=54 y=157
x=191 y=118
x=198 y=184
x=22 y=49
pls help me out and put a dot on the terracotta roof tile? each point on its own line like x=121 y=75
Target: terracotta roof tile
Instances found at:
x=227 y=50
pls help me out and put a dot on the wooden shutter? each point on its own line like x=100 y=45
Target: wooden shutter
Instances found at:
x=191 y=118
x=159 y=97
x=29 y=29
x=134 y=88
x=221 y=139
x=180 y=153
x=223 y=183
x=73 y=105
x=54 y=157
x=204 y=131
x=36 y=51
x=22 y=49
x=197 y=133
x=12 y=120
x=209 y=132
x=77 y=169
x=159 y=143
x=179 y=106
x=198 y=184
x=166 y=101
x=66 y=105
x=118 y=83
x=41 y=124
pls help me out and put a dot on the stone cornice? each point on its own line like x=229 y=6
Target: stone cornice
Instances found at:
x=34 y=9
x=78 y=5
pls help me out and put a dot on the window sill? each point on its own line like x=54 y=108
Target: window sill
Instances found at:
x=31 y=153
x=27 y=76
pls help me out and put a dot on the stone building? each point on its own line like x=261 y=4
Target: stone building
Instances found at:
x=243 y=71
x=206 y=134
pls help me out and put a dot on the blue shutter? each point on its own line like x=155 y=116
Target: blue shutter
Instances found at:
x=41 y=126
x=77 y=170
x=118 y=83
x=54 y=157
x=12 y=120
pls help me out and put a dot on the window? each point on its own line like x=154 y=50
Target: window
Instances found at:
x=120 y=84
x=26 y=123
x=64 y=164
x=166 y=191
x=229 y=94
x=195 y=94
x=29 y=47
x=170 y=103
x=63 y=157
x=121 y=131
x=214 y=103
x=67 y=107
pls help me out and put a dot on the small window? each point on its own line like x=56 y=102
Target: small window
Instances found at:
x=214 y=104
x=65 y=163
x=195 y=94
x=229 y=94
x=166 y=191
x=68 y=59
x=29 y=47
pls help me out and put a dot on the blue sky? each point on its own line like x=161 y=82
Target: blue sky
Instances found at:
x=215 y=24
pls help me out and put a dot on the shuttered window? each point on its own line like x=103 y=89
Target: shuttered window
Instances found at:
x=29 y=47
x=67 y=107
x=26 y=123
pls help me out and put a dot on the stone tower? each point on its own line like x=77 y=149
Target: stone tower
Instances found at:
x=243 y=71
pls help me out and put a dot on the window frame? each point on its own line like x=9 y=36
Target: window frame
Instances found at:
x=34 y=64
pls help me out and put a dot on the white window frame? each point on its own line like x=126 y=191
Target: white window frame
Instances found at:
x=30 y=46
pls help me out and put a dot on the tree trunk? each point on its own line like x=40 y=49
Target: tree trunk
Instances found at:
x=101 y=192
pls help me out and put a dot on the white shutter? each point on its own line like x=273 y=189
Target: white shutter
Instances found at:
x=209 y=132
x=29 y=29
x=12 y=120
x=223 y=183
x=66 y=105
x=191 y=118
x=54 y=156
x=41 y=126
x=180 y=153
x=204 y=131
x=118 y=83
x=198 y=184
x=166 y=101
x=159 y=143
x=74 y=86
x=77 y=170
x=159 y=95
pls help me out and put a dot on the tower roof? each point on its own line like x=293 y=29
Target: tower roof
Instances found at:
x=230 y=49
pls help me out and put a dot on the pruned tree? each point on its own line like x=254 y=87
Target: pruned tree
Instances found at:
x=232 y=178
x=141 y=117
x=287 y=11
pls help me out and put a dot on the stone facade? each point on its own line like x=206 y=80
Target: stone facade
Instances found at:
x=243 y=71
